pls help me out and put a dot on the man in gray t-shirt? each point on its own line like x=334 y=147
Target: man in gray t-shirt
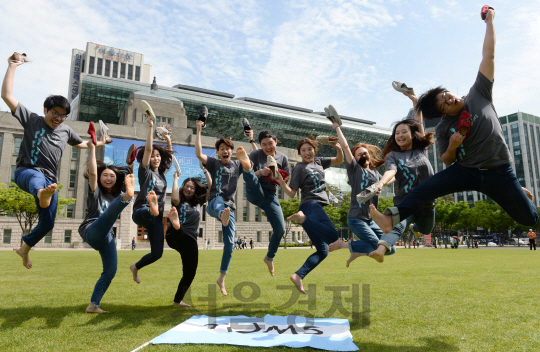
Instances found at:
x=470 y=140
x=44 y=141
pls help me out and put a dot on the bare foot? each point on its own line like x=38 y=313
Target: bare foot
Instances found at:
x=135 y=273
x=45 y=194
x=129 y=181
x=181 y=304
x=297 y=281
x=270 y=265
x=152 y=201
x=353 y=257
x=528 y=193
x=298 y=217
x=242 y=156
x=93 y=309
x=378 y=255
x=384 y=221
x=23 y=252
x=173 y=216
x=225 y=215
x=339 y=244
x=416 y=233
x=221 y=283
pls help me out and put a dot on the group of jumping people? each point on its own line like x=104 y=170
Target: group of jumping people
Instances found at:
x=469 y=138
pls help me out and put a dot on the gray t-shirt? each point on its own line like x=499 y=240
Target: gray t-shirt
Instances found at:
x=485 y=145
x=224 y=179
x=189 y=217
x=259 y=159
x=360 y=178
x=309 y=178
x=42 y=147
x=150 y=180
x=96 y=203
x=413 y=168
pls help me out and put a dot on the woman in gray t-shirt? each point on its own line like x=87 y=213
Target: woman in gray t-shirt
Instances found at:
x=105 y=202
x=308 y=176
x=183 y=230
x=154 y=163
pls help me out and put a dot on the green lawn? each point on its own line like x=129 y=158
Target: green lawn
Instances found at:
x=420 y=300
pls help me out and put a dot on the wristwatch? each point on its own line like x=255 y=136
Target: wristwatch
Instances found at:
x=251 y=141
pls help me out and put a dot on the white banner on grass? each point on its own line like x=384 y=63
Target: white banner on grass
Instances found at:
x=291 y=331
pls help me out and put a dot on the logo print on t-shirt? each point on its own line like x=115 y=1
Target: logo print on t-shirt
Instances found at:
x=182 y=214
x=104 y=206
x=219 y=180
x=460 y=151
x=150 y=187
x=316 y=181
x=407 y=173
x=35 y=146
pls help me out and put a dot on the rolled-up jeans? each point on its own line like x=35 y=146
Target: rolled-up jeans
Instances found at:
x=369 y=234
x=215 y=207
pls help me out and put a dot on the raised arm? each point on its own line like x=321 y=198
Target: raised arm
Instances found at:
x=149 y=141
x=487 y=66
x=168 y=141
x=100 y=143
x=92 y=167
x=341 y=139
x=417 y=114
x=208 y=181
x=251 y=141
x=198 y=147
x=175 y=195
x=338 y=159
x=7 y=84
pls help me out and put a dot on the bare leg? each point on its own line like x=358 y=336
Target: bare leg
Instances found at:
x=298 y=217
x=528 y=193
x=242 y=156
x=353 y=257
x=297 y=281
x=152 y=201
x=221 y=283
x=135 y=273
x=45 y=194
x=129 y=182
x=225 y=215
x=270 y=265
x=94 y=309
x=339 y=244
x=23 y=252
x=173 y=216
x=378 y=254
x=384 y=221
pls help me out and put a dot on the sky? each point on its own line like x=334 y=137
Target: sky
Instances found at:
x=306 y=53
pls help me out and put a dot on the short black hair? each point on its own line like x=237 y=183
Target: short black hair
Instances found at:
x=267 y=134
x=57 y=100
x=427 y=103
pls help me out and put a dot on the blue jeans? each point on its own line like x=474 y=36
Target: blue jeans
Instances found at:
x=214 y=209
x=156 y=235
x=369 y=234
x=321 y=232
x=423 y=219
x=268 y=202
x=31 y=181
x=500 y=184
x=99 y=236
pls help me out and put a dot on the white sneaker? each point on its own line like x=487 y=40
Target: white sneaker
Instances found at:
x=148 y=110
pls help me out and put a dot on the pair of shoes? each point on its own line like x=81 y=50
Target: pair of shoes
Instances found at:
x=402 y=87
x=332 y=115
x=20 y=58
x=131 y=154
x=367 y=194
x=246 y=125
x=203 y=115
x=325 y=140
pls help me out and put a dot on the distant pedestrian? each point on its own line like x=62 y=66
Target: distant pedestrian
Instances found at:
x=532 y=239
x=133 y=244
x=251 y=243
x=208 y=244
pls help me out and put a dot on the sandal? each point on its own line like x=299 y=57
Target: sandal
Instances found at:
x=203 y=115
x=402 y=87
x=92 y=132
x=464 y=124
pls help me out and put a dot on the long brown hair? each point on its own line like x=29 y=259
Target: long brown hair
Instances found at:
x=166 y=156
x=200 y=191
x=120 y=171
x=419 y=142
x=375 y=159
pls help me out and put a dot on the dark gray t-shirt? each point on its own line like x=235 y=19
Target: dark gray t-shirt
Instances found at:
x=360 y=178
x=224 y=179
x=485 y=145
x=96 y=203
x=309 y=178
x=259 y=159
x=42 y=147
x=413 y=168
x=150 y=180
x=190 y=217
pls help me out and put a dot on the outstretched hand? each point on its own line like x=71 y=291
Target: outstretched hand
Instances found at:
x=335 y=125
x=413 y=97
x=12 y=61
x=490 y=16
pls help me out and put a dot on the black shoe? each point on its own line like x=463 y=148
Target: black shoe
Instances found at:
x=203 y=115
x=246 y=125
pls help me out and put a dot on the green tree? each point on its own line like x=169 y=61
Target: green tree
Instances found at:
x=384 y=203
x=20 y=204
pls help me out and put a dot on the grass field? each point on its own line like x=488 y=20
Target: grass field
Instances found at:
x=420 y=299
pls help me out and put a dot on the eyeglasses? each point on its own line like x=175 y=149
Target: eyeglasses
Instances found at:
x=57 y=115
